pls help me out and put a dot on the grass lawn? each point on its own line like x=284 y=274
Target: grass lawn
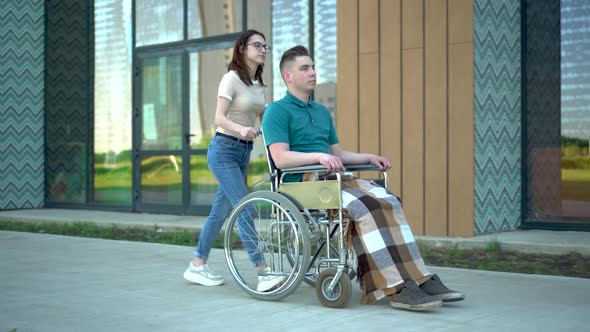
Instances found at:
x=492 y=258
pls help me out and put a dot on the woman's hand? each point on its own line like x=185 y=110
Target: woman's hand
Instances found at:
x=249 y=133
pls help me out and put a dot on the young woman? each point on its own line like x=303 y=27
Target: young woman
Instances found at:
x=240 y=103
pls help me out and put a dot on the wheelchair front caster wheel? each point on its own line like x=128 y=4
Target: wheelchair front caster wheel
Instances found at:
x=339 y=296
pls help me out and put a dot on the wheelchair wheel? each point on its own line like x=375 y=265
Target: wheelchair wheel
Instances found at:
x=339 y=296
x=275 y=229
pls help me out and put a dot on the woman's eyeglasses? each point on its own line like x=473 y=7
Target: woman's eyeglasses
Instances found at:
x=260 y=46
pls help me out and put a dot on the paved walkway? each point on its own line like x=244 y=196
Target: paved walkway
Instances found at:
x=59 y=283
x=535 y=241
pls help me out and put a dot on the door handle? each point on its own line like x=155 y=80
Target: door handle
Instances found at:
x=187 y=137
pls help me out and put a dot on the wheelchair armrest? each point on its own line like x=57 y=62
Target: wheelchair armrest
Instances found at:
x=363 y=167
x=318 y=167
x=329 y=174
x=304 y=169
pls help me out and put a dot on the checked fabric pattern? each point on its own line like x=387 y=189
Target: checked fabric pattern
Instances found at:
x=382 y=239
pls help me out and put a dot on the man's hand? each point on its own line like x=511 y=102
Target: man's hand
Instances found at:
x=332 y=162
x=380 y=162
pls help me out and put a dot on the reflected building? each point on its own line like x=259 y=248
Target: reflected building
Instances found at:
x=112 y=82
x=325 y=40
x=575 y=68
x=290 y=27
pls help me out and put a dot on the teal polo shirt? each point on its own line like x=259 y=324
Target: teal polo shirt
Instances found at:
x=306 y=127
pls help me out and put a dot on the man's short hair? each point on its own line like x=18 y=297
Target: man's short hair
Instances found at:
x=291 y=54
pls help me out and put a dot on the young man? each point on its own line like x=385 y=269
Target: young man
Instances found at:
x=299 y=132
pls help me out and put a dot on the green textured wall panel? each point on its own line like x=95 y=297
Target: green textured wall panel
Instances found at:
x=21 y=104
x=497 y=115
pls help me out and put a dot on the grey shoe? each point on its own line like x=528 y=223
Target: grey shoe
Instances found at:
x=411 y=297
x=435 y=288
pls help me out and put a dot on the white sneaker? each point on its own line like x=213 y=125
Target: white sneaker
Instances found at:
x=202 y=275
x=268 y=282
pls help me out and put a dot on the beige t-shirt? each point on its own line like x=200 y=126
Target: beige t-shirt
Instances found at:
x=247 y=102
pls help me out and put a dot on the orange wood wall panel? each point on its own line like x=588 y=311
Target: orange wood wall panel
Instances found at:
x=435 y=118
x=368 y=13
x=348 y=75
x=369 y=80
x=460 y=21
x=369 y=103
x=413 y=138
x=461 y=140
x=405 y=91
x=412 y=23
x=390 y=89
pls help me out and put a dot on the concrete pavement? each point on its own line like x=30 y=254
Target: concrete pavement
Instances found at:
x=58 y=283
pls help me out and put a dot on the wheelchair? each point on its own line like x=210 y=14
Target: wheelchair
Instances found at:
x=299 y=229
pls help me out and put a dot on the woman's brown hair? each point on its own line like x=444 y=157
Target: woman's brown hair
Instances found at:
x=238 y=61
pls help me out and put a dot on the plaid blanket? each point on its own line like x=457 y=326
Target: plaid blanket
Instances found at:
x=382 y=239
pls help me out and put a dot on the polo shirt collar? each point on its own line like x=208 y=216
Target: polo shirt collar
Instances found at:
x=296 y=100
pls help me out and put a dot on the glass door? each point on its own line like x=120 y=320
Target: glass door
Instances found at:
x=175 y=97
x=160 y=143
x=206 y=68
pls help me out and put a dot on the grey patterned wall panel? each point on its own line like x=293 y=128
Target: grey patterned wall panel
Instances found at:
x=497 y=115
x=21 y=104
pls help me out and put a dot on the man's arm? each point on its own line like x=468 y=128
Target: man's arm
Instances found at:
x=354 y=158
x=283 y=157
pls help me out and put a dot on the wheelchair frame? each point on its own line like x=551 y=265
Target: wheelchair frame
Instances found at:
x=301 y=212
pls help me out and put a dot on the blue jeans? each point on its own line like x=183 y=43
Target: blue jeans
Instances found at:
x=228 y=161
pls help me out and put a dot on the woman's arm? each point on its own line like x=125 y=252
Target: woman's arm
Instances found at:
x=222 y=121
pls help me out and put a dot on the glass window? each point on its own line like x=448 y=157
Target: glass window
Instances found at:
x=161 y=103
x=325 y=53
x=557 y=114
x=575 y=109
x=290 y=27
x=66 y=107
x=161 y=180
x=112 y=102
x=206 y=70
x=213 y=17
x=159 y=21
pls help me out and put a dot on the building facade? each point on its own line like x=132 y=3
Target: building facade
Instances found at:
x=483 y=106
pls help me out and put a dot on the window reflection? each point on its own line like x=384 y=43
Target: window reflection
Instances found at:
x=112 y=102
x=213 y=17
x=290 y=27
x=158 y=21
x=575 y=108
x=161 y=104
x=161 y=180
x=558 y=117
x=206 y=70
x=325 y=53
